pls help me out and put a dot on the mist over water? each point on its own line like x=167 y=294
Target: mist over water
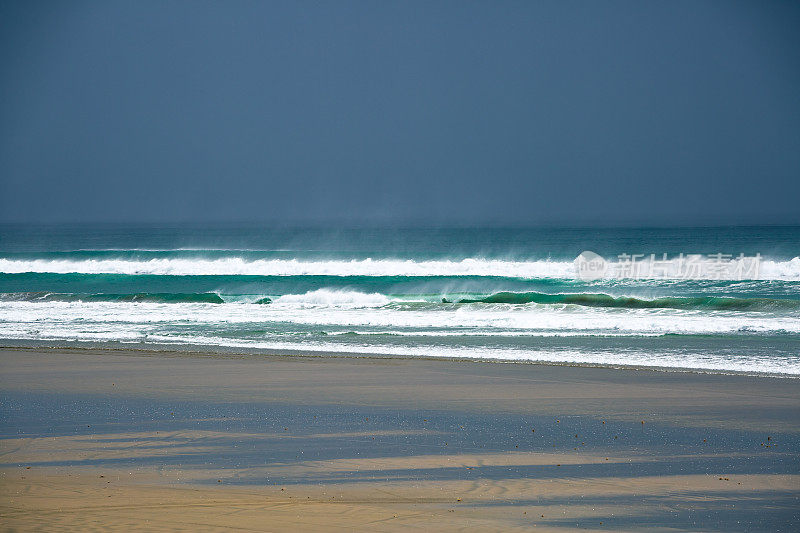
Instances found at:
x=489 y=293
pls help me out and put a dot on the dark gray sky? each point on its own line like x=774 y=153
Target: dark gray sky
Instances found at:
x=387 y=112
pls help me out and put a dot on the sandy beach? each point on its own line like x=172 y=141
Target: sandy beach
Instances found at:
x=120 y=440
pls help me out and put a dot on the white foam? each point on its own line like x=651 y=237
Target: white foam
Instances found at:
x=785 y=270
x=475 y=266
x=654 y=359
x=332 y=298
x=346 y=311
x=294 y=322
x=293 y=267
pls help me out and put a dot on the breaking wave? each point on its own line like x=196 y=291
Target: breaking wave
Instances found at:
x=605 y=300
x=472 y=266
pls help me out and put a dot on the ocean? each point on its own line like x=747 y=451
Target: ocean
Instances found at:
x=697 y=299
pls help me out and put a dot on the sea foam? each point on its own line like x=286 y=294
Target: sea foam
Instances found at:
x=471 y=266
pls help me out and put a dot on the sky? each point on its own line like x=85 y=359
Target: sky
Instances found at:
x=414 y=112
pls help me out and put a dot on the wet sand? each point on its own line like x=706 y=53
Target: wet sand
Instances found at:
x=100 y=439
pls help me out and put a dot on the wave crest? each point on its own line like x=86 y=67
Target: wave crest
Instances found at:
x=472 y=266
x=673 y=302
x=335 y=298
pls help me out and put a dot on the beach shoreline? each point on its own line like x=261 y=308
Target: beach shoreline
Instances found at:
x=215 y=351
x=321 y=443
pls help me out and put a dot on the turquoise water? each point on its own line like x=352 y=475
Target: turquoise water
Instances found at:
x=485 y=293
